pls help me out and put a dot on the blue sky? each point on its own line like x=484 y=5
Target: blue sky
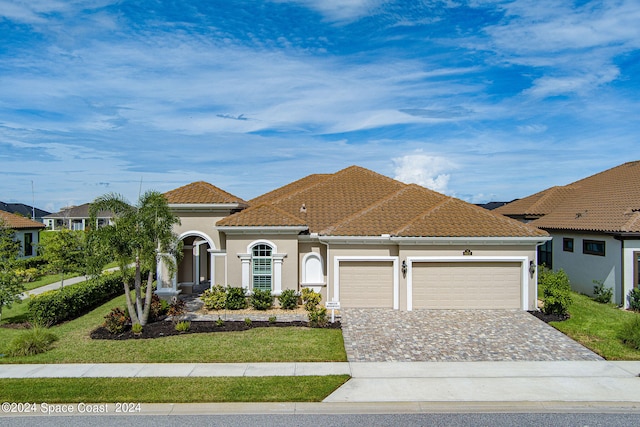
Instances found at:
x=482 y=100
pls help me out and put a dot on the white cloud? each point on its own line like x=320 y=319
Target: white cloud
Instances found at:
x=423 y=169
x=339 y=10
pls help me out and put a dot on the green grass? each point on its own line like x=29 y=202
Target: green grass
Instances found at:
x=596 y=326
x=255 y=345
x=47 y=280
x=174 y=390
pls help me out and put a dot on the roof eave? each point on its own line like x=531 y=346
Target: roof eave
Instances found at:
x=205 y=206
x=271 y=229
x=524 y=240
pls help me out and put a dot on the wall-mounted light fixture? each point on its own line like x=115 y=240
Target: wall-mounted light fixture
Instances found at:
x=404 y=268
x=532 y=268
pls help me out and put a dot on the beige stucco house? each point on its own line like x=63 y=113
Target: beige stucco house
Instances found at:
x=359 y=238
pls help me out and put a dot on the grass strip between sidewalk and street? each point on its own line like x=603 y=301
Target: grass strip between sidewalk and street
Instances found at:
x=170 y=390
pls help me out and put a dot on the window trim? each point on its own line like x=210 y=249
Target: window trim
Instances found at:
x=270 y=265
x=567 y=244
x=586 y=242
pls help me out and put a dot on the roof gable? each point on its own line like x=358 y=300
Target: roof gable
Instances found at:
x=201 y=192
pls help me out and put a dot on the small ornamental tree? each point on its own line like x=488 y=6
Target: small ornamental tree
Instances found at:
x=64 y=251
x=140 y=235
x=10 y=285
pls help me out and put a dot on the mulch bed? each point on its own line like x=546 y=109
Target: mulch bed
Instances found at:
x=167 y=328
x=549 y=317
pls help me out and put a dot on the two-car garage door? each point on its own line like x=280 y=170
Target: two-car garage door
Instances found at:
x=467 y=285
x=433 y=285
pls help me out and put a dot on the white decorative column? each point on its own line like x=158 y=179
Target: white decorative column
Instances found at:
x=277 y=273
x=246 y=269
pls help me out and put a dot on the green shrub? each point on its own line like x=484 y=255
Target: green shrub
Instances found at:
x=183 y=326
x=261 y=299
x=634 y=299
x=310 y=299
x=116 y=320
x=556 y=291
x=36 y=340
x=630 y=332
x=215 y=298
x=236 y=298
x=272 y=319
x=73 y=301
x=247 y=321
x=219 y=322
x=318 y=317
x=27 y=275
x=288 y=299
x=600 y=293
x=136 y=328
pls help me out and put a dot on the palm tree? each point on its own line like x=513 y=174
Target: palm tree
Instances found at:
x=141 y=235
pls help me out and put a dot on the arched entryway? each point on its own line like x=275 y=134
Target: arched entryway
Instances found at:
x=196 y=270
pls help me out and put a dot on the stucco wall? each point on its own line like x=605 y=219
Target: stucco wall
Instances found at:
x=631 y=267
x=583 y=269
x=285 y=244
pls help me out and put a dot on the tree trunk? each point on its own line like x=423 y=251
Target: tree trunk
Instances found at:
x=130 y=306
x=137 y=285
x=147 y=300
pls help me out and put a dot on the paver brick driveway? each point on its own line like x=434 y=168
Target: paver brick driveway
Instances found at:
x=384 y=335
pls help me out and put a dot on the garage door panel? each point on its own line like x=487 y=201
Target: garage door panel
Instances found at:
x=366 y=284
x=464 y=285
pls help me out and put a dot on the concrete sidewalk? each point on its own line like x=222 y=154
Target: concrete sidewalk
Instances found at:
x=582 y=383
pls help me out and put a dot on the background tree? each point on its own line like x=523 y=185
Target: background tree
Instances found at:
x=141 y=235
x=63 y=251
x=10 y=285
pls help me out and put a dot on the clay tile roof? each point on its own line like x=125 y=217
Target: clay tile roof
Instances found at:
x=262 y=216
x=359 y=202
x=608 y=201
x=456 y=218
x=201 y=193
x=18 y=222
x=289 y=189
x=538 y=204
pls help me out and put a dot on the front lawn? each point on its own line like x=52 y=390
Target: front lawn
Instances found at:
x=596 y=326
x=255 y=345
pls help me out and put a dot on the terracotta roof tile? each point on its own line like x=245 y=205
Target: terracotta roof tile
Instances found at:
x=201 y=192
x=289 y=189
x=606 y=202
x=18 y=222
x=359 y=202
x=262 y=216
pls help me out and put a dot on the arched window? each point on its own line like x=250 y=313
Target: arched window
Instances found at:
x=262 y=267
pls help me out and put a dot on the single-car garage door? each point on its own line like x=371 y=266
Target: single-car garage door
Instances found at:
x=366 y=284
x=467 y=285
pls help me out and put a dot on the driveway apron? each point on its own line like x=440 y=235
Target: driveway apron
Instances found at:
x=385 y=335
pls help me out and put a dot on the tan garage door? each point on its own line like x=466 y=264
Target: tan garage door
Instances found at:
x=475 y=285
x=366 y=284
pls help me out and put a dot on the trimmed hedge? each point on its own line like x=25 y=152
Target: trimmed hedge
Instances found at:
x=73 y=301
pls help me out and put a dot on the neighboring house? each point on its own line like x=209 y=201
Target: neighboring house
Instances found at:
x=75 y=218
x=24 y=210
x=359 y=238
x=595 y=225
x=27 y=232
